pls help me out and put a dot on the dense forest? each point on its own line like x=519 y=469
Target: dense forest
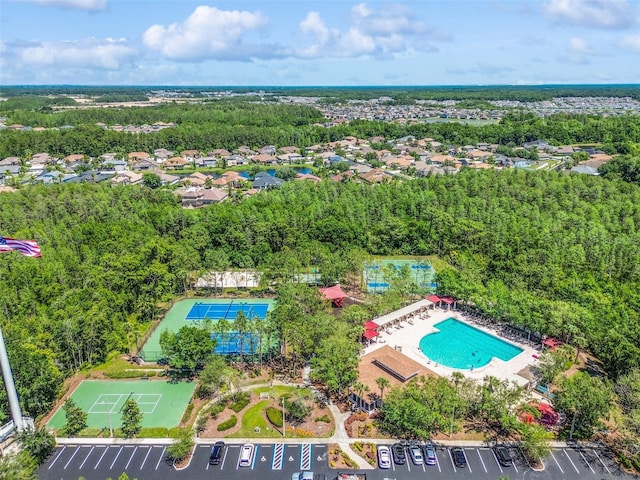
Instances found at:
x=230 y=124
x=559 y=254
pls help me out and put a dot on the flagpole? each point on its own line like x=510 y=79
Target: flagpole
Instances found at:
x=10 y=386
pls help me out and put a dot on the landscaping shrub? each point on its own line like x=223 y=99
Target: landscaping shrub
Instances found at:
x=128 y=374
x=275 y=416
x=324 y=418
x=241 y=401
x=175 y=432
x=228 y=424
x=216 y=409
x=89 y=432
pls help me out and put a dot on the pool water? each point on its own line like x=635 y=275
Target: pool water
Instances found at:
x=461 y=346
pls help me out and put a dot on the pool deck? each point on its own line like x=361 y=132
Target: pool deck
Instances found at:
x=407 y=337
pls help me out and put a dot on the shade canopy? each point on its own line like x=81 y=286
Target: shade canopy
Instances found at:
x=371 y=325
x=333 y=293
x=447 y=300
x=370 y=334
x=433 y=298
x=551 y=342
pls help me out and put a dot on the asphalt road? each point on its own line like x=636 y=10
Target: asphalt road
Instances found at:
x=279 y=461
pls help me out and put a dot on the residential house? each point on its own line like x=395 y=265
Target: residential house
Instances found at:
x=235 y=160
x=213 y=195
x=162 y=154
x=308 y=176
x=264 y=181
x=289 y=149
x=146 y=164
x=137 y=156
x=245 y=151
x=190 y=156
x=92 y=176
x=268 y=150
x=208 y=161
x=376 y=175
x=112 y=166
x=175 y=163
x=585 y=169
x=344 y=176
x=49 y=178
x=167 y=179
x=264 y=159
x=230 y=177
x=10 y=161
x=219 y=153
x=197 y=179
x=127 y=178
x=70 y=159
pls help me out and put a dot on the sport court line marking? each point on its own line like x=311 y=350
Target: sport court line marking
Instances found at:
x=600 y=460
x=69 y=461
x=160 y=459
x=57 y=457
x=145 y=457
x=114 y=460
x=556 y=460
x=87 y=457
x=131 y=457
x=574 y=465
x=100 y=459
x=586 y=461
x=482 y=461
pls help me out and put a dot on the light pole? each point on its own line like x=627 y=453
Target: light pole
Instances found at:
x=10 y=386
x=453 y=415
x=284 y=427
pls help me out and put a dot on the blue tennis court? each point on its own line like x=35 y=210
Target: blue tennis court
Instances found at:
x=229 y=311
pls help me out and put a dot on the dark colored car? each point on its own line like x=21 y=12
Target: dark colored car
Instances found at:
x=503 y=455
x=399 y=456
x=457 y=454
x=216 y=453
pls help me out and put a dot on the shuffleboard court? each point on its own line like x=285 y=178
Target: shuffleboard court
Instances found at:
x=162 y=403
x=190 y=311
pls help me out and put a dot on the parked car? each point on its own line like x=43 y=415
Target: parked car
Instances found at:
x=430 y=454
x=384 y=457
x=216 y=453
x=458 y=456
x=246 y=454
x=399 y=457
x=503 y=455
x=416 y=454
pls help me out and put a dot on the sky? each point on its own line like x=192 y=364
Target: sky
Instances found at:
x=319 y=42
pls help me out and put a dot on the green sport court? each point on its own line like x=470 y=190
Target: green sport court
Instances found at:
x=193 y=310
x=162 y=403
x=375 y=273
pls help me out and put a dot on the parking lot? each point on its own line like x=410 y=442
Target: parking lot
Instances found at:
x=279 y=461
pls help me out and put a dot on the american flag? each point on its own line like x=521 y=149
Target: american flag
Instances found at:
x=28 y=248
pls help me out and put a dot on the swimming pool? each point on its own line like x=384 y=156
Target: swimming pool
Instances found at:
x=461 y=346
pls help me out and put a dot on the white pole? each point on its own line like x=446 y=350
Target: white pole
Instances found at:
x=284 y=428
x=12 y=394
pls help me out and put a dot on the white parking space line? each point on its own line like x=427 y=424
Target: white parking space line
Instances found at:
x=226 y=450
x=106 y=449
x=556 y=460
x=57 y=457
x=600 y=460
x=452 y=463
x=482 y=461
x=574 y=465
x=69 y=461
x=586 y=461
x=468 y=464
x=438 y=464
x=496 y=459
x=161 y=456
x=114 y=460
x=131 y=457
x=145 y=457
x=87 y=457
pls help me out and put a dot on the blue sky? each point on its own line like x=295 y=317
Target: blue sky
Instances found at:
x=319 y=42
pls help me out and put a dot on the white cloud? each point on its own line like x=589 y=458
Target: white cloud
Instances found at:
x=79 y=4
x=211 y=34
x=592 y=13
x=379 y=33
x=90 y=53
x=631 y=43
x=579 y=45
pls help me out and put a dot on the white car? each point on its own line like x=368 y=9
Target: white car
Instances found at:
x=384 y=457
x=415 y=452
x=246 y=455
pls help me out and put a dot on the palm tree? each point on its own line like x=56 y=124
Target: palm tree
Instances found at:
x=360 y=388
x=382 y=383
